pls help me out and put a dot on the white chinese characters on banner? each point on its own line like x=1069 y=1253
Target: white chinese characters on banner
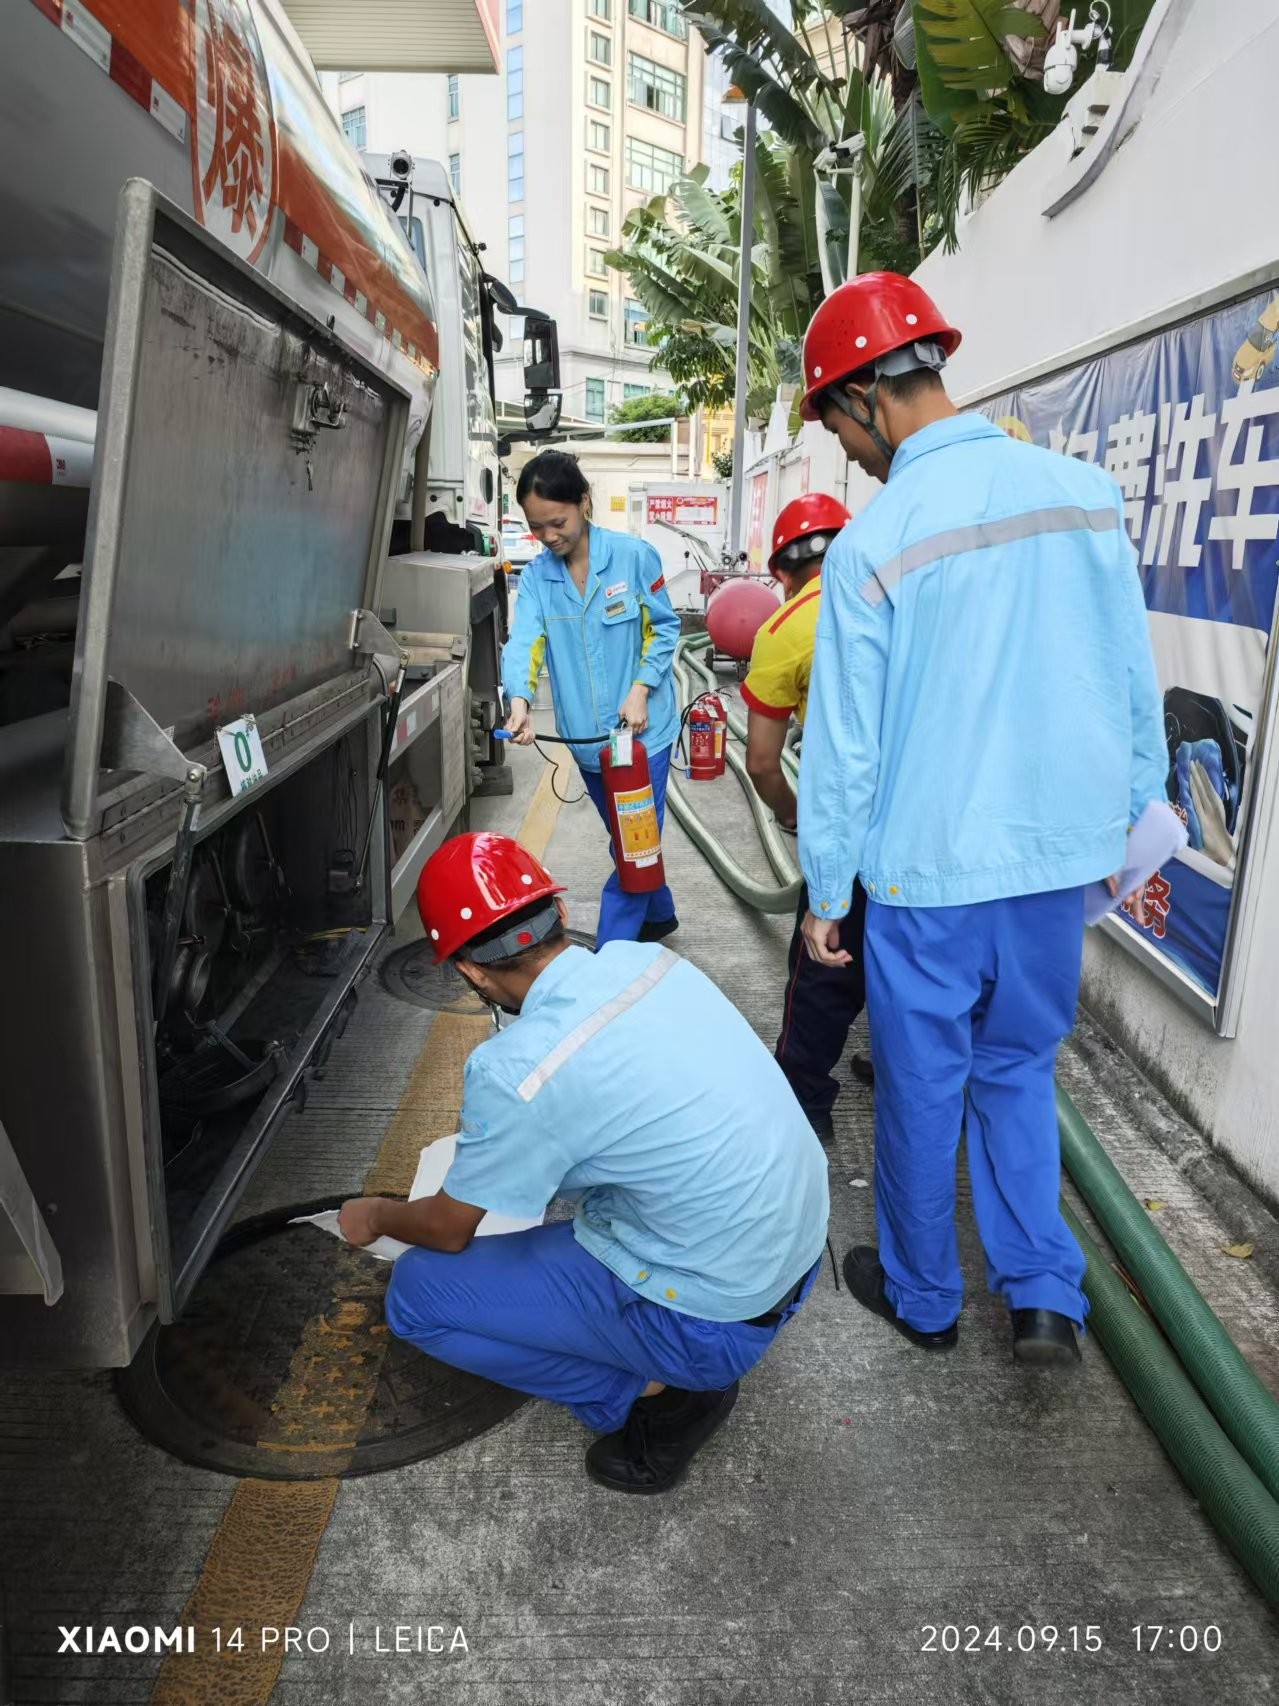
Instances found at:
x=1162 y=465
x=1244 y=474
x=1130 y=443
x=1180 y=490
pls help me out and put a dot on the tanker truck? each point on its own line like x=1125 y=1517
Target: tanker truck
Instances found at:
x=248 y=514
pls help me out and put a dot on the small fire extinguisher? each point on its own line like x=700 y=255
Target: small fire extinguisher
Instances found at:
x=632 y=820
x=707 y=733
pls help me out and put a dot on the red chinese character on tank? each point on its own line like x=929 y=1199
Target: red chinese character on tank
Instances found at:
x=233 y=138
x=1158 y=901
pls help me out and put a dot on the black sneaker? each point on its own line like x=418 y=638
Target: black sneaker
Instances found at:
x=655 y=930
x=1044 y=1339
x=864 y=1277
x=862 y=1068
x=823 y=1126
x=661 y=1437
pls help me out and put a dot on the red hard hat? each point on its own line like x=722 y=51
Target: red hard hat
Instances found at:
x=475 y=881
x=815 y=512
x=862 y=320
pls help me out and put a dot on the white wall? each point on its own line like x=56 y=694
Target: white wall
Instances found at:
x=1176 y=211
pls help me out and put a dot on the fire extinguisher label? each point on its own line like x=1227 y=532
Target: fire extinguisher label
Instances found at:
x=637 y=820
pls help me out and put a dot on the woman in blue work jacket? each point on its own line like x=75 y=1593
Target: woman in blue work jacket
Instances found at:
x=593 y=606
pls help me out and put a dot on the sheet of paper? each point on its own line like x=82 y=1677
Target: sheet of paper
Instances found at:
x=1156 y=837
x=432 y=1167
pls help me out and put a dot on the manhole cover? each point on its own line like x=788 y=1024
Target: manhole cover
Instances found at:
x=283 y=1366
x=411 y=974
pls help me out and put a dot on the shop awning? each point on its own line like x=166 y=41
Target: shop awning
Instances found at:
x=398 y=35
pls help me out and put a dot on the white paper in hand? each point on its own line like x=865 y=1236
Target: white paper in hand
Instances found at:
x=1156 y=837
x=433 y=1164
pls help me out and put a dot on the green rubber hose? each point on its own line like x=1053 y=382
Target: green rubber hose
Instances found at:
x=1247 y=1412
x=1229 y=1494
x=764 y=897
x=779 y=854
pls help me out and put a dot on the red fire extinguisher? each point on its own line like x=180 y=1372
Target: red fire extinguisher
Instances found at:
x=632 y=820
x=707 y=733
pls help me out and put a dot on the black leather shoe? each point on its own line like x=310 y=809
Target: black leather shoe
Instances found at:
x=864 y=1277
x=656 y=930
x=823 y=1125
x=862 y=1068
x=1044 y=1339
x=662 y=1435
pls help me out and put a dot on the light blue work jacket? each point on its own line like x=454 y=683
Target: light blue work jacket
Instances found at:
x=632 y=1085
x=597 y=644
x=983 y=719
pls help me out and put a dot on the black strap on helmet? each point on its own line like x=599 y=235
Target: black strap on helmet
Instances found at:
x=513 y=941
x=910 y=358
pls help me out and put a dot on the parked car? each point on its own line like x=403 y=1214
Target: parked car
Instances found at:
x=518 y=546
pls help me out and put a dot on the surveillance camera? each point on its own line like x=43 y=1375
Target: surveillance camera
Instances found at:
x=1060 y=64
x=401 y=164
x=842 y=155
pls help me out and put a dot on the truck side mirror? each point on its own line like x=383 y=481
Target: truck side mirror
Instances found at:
x=541 y=353
x=542 y=411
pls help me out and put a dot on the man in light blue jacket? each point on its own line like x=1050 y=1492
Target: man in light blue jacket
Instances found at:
x=984 y=726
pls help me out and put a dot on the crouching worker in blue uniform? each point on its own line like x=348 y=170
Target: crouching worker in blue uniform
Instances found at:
x=631 y=1085
x=983 y=727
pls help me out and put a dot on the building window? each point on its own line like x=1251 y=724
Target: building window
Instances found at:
x=599 y=92
x=597 y=221
x=455 y=99
x=515 y=82
x=597 y=304
x=595 y=399
x=636 y=331
x=629 y=391
x=656 y=88
x=455 y=173
x=598 y=136
x=663 y=15
x=651 y=168
x=514 y=17
x=355 y=124
x=599 y=48
x=595 y=263
x=515 y=249
x=596 y=178
x=515 y=166
x=602 y=9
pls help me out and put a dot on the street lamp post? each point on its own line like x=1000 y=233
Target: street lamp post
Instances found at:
x=736 y=531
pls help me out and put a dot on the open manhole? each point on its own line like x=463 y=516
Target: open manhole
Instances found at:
x=283 y=1366
x=411 y=974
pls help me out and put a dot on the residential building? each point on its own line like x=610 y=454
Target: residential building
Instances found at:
x=599 y=106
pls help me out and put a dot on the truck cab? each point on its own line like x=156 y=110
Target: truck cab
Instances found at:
x=462 y=475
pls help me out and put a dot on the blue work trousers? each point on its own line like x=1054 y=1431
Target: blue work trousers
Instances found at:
x=622 y=914
x=973 y=1000
x=536 y=1311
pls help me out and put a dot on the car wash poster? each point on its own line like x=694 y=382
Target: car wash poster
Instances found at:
x=1187 y=422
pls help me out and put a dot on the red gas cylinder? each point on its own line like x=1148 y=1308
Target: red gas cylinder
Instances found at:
x=707 y=732
x=737 y=612
x=632 y=821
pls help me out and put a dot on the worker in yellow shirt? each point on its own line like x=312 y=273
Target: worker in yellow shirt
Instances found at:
x=822 y=1001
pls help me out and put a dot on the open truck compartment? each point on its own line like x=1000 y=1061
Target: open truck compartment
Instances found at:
x=184 y=952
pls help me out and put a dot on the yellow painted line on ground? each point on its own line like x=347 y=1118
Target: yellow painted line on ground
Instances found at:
x=259 y=1564
x=544 y=808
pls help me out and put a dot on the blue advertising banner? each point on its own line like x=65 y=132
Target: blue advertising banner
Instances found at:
x=1187 y=422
